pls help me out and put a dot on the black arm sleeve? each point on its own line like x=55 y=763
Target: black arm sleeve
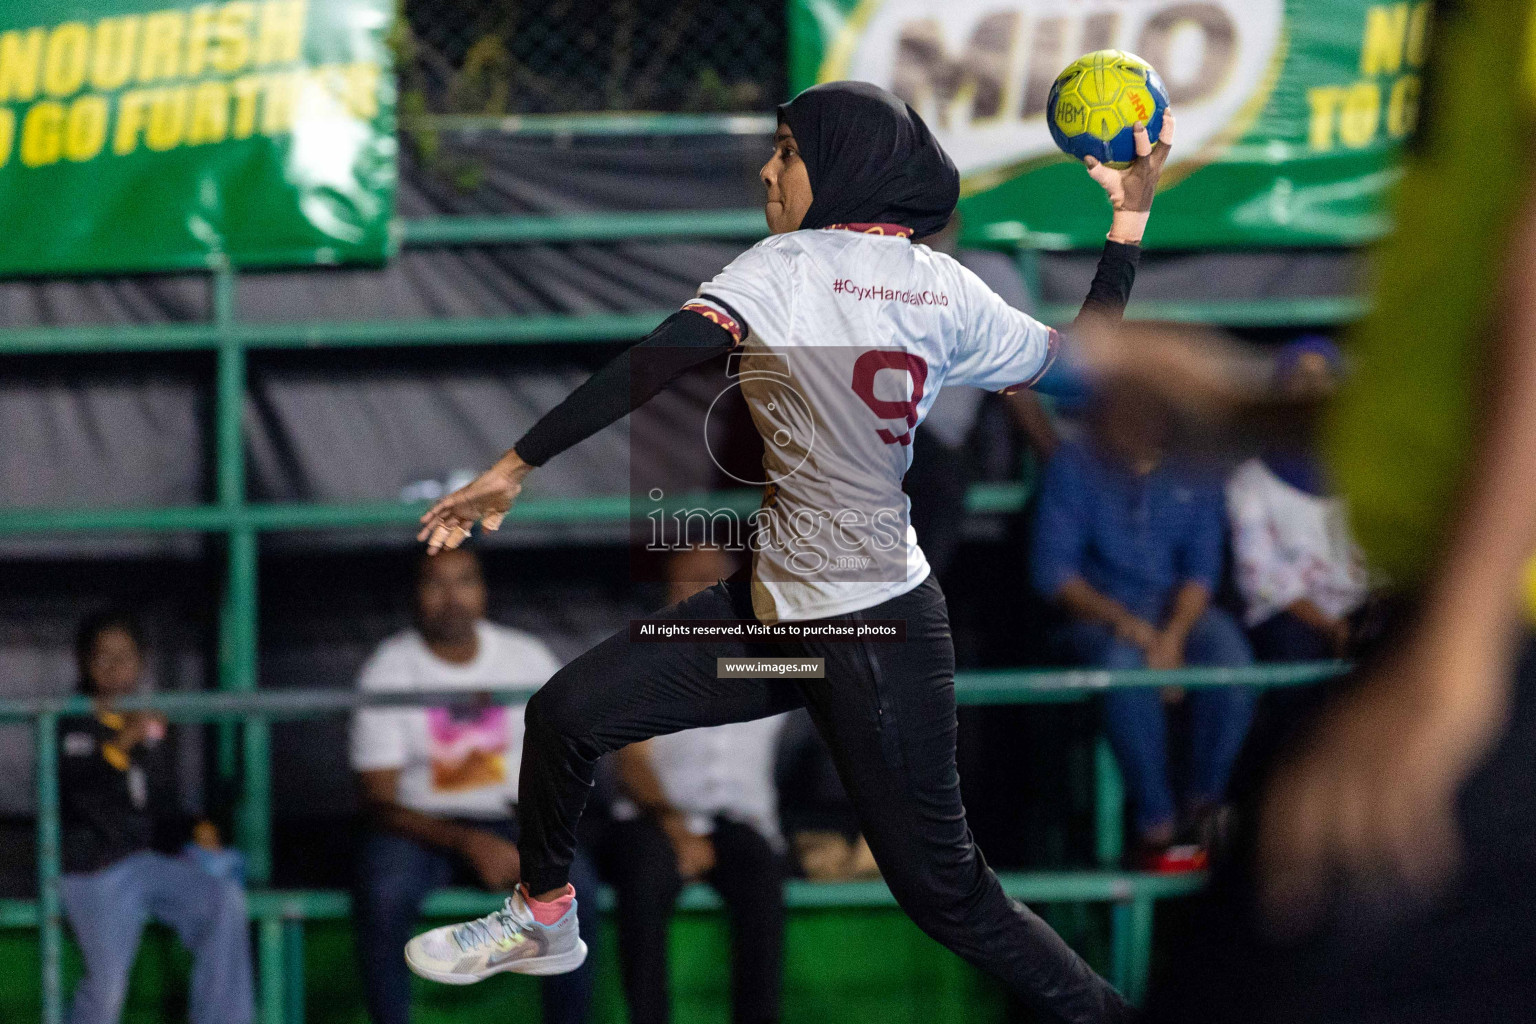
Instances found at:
x=684 y=340
x=1111 y=288
x=1107 y=296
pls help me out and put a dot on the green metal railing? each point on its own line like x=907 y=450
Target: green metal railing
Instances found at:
x=258 y=709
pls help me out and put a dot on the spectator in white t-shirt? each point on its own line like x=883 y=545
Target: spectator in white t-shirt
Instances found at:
x=439 y=784
x=1300 y=573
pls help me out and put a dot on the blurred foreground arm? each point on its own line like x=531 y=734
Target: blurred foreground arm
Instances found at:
x=1371 y=797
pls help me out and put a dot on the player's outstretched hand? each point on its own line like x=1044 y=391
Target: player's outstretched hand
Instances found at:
x=1132 y=189
x=1369 y=801
x=485 y=500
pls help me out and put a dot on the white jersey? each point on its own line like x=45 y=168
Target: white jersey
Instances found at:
x=846 y=335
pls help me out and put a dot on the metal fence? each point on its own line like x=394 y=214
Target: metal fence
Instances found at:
x=255 y=711
x=566 y=56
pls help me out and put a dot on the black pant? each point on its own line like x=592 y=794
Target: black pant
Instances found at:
x=638 y=860
x=887 y=712
x=1463 y=958
x=937 y=483
x=1284 y=637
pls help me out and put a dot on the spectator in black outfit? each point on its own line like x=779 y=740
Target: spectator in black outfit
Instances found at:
x=942 y=465
x=815 y=813
x=114 y=881
x=699 y=805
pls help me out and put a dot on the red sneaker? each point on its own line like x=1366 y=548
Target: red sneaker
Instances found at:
x=1173 y=860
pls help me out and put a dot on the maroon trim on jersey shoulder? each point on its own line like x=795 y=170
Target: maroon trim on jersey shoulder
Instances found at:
x=716 y=316
x=895 y=230
x=1052 y=346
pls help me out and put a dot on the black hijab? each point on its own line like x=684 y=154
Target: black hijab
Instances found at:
x=870 y=158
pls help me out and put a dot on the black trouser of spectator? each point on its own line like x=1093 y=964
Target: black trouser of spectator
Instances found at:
x=1280 y=638
x=1284 y=637
x=394 y=875
x=937 y=484
x=887 y=712
x=1462 y=956
x=811 y=796
x=638 y=860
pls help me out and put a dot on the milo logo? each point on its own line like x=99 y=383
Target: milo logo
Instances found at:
x=979 y=71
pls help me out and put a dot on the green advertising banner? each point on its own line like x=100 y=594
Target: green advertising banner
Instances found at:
x=1290 y=112
x=140 y=135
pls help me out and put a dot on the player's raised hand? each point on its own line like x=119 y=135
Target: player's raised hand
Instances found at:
x=485 y=500
x=1132 y=189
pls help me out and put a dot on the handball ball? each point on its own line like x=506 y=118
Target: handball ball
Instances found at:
x=1095 y=103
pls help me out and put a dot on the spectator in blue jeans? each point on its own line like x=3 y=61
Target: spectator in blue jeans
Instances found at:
x=1131 y=548
x=439 y=784
x=113 y=808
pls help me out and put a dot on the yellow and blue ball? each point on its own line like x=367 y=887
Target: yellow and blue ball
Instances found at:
x=1095 y=103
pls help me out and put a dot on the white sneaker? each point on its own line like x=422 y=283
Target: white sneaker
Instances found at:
x=507 y=940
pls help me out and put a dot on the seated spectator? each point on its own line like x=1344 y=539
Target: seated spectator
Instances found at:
x=440 y=784
x=1300 y=573
x=699 y=805
x=112 y=795
x=1131 y=548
